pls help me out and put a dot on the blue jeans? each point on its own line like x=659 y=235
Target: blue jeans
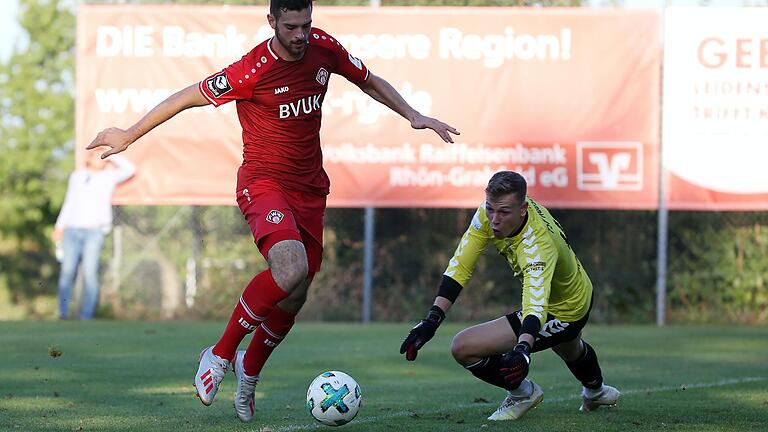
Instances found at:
x=80 y=244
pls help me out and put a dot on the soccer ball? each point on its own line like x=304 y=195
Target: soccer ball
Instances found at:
x=334 y=398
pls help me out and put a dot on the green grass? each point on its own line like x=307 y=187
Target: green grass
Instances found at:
x=116 y=376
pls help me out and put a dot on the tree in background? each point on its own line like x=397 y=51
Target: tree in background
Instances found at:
x=36 y=141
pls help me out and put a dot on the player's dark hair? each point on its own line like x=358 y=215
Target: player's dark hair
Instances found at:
x=507 y=182
x=277 y=7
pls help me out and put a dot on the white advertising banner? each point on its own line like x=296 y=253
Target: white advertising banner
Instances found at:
x=715 y=108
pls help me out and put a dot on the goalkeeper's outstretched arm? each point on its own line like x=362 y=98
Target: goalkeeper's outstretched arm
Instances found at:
x=425 y=330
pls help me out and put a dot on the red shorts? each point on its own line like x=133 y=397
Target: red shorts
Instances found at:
x=275 y=214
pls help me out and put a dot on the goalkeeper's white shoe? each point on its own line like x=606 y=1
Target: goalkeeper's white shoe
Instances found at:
x=245 y=391
x=609 y=397
x=515 y=407
x=210 y=372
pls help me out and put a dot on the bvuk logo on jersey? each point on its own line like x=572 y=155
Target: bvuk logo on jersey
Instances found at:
x=609 y=165
x=275 y=216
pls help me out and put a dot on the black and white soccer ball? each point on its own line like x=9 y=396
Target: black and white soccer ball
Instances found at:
x=334 y=398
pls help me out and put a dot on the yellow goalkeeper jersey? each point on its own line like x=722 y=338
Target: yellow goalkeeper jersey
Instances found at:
x=553 y=279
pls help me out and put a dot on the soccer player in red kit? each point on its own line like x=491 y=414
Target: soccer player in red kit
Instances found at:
x=279 y=87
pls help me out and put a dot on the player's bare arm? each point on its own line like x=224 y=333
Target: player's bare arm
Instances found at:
x=382 y=91
x=118 y=139
x=443 y=303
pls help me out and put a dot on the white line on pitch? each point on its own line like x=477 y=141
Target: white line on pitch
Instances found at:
x=377 y=418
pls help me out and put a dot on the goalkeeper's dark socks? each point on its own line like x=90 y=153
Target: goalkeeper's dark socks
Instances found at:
x=259 y=298
x=487 y=369
x=587 y=369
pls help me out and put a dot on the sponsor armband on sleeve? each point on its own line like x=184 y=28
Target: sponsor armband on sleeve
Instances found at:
x=449 y=288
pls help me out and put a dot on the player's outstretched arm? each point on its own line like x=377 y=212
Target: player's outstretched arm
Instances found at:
x=425 y=330
x=118 y=139
x=382 y=91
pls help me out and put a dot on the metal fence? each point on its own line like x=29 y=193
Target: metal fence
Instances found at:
x=193 y=262
x=163 y=262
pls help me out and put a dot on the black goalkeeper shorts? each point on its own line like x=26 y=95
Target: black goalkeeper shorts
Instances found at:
x=553 y=332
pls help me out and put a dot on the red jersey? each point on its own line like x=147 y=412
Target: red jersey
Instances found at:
x=279 y=106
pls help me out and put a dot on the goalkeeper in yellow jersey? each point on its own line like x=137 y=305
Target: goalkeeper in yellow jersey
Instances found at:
x=557 y=298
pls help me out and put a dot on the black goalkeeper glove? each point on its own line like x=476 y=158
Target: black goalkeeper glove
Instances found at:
x=515 y=364
x=422 y=333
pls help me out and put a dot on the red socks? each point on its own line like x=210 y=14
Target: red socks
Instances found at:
x=259 y=299
x=266 y=338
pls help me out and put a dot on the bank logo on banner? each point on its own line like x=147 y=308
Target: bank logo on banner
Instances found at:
x=609 y=165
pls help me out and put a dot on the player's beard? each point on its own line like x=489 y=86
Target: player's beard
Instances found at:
x=295 y=47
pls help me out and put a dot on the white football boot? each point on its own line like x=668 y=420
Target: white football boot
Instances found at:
x=609 y=397
x=515 y=407
x=246 y=388
x=210 y=372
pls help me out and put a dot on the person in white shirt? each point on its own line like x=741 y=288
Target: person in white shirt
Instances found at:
x=85 y=217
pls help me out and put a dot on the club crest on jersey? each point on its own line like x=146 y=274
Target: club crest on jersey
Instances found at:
x=322 y=76
x=355 y=61
x=275 y=216
x=218 y=84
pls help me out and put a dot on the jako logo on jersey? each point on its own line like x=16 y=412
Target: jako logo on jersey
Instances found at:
x=283 y=89
x=218 y=85
x=275 y=216
x=304 y=105
x=355 y=61
x=322 y=76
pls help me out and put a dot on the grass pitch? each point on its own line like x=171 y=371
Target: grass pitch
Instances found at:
x=137 y=376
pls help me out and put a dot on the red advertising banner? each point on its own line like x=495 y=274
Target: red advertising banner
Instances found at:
x=715 y=109
x=567 y=97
